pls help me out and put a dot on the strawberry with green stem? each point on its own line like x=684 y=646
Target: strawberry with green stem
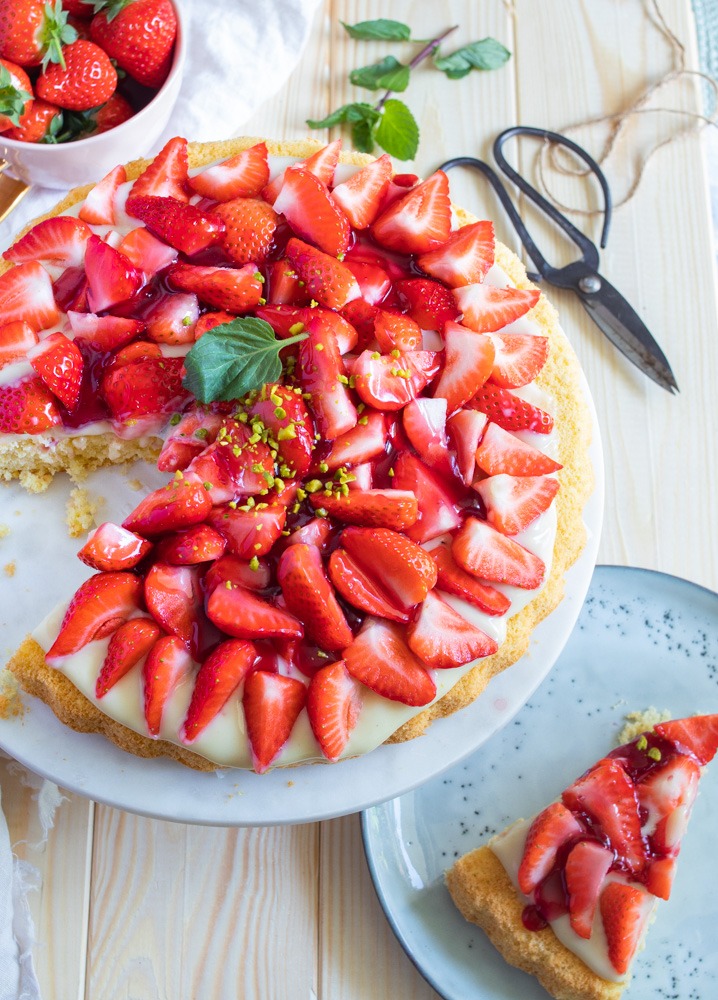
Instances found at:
x=33 y=32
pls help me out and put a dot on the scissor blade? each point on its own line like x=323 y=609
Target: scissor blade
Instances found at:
x=627 y=331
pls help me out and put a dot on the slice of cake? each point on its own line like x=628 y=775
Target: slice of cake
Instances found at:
x=568 y=896
x=374 y=436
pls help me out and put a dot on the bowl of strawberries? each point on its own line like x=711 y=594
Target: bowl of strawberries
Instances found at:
x=83 y=83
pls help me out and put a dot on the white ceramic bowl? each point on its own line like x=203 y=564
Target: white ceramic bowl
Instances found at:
x=67 y=164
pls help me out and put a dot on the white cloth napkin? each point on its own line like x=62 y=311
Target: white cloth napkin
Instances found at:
x=239 y=54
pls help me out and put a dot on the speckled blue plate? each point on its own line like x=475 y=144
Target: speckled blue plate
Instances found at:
x=642 y=639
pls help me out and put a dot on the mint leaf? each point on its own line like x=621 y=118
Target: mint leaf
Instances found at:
x=363 y=136
x=388 y=74
x=397 y=132
x=356 y=112
x=232 y=359
x=485 y=54
x=382 y=30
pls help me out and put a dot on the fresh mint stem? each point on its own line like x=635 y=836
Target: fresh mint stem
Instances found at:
x=427 y=51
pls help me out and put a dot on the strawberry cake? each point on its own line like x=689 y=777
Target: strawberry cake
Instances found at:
x=373 y=433
x=568 y=896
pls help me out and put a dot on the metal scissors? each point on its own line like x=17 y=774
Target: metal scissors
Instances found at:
x=611 y=312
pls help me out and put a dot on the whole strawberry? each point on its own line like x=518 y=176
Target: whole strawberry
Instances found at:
x=87 y=79
x=139 y=35
x=33 y=31
x=15 y=94
x=40 y=123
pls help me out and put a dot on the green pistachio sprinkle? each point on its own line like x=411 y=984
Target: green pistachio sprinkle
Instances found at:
x=175 y=419
x=642 y=743
x=296 y=328
x=254 y=563
x=654 y=753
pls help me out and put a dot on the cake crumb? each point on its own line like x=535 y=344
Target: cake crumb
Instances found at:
x=9 y=569
x=640 y=722
x=81 y=510
x=4 y=530
x=10 y=704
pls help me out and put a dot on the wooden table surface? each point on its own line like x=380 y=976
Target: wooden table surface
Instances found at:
x=136 y=908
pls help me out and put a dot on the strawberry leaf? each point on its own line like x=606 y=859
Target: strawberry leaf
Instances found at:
x=232 y=359
x=387 y=74
x=397 y=132
x=383 y=30
x=12 y=97
x=485 y=54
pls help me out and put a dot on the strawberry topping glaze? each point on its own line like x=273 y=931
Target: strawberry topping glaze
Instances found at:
x=299 y=508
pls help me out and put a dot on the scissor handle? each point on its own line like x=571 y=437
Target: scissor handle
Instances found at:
x=579 y=238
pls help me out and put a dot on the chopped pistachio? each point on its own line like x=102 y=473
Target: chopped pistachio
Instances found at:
x=296 y=328
x=642 y=743
x=254 y=563
x=654 y=753
x=313 y=486
x=175 y=419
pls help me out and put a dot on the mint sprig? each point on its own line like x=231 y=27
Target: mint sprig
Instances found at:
x=230 y=360
x=389 y=123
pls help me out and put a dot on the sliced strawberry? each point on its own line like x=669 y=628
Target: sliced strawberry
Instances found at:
x=668 y=793
x=146 y=386
x=466 y=256
x=501 y=451
x=443 y=638
x=381 y=660
x=140 y=350
x=333 y=707
x=217 y=679
x=428 y=303
x=166 y=174
x=242 y=614
x=167 y=663
x=146 y=252
x=250 y=227
x=235 y=289
x=59 y=363
x=249 y=532
x=28 y=407
x=437 y=512
x=468 y=360
x=184 y=227
x=322 y=164
x=320 y=371
x=513 y=503
x=419 y=221
x=586 y=868
x=181 y=503
x=407 y=572
x=608 y=796
x=309 y=595
x=284 y=412
x=311 y=212
x=173 y=599
x=358 y=445
x=233 y=465
x=697 y=736
x=253 y=574
x=98 y=208
x=283 y=285
x=387 y=382
x=511 y=412
x=519 y=358
x=26 y=294
x=360 y=196
x=209 y=320
x=127 y=646
x=374 y=282
x=111 y=277
x=60 y=240
x=286 y=321
x=485 y=552
x=624 y=912
x=97 y=610
x=272 y=703
x=358 y=587
x=453 y=580
x=241 y=176
x=486 y=308
x=197 y=544
x=16 y=339
x=425 y=425
x=112 y=548
x=396 y=509
x=70 y=289
x=316 y=532
x=361 y=314
x=396 y=331
x=326 y=279
x=549 y=831
x=465 y=429
x=172 y=317
x=104 y=333
x=659 y=875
